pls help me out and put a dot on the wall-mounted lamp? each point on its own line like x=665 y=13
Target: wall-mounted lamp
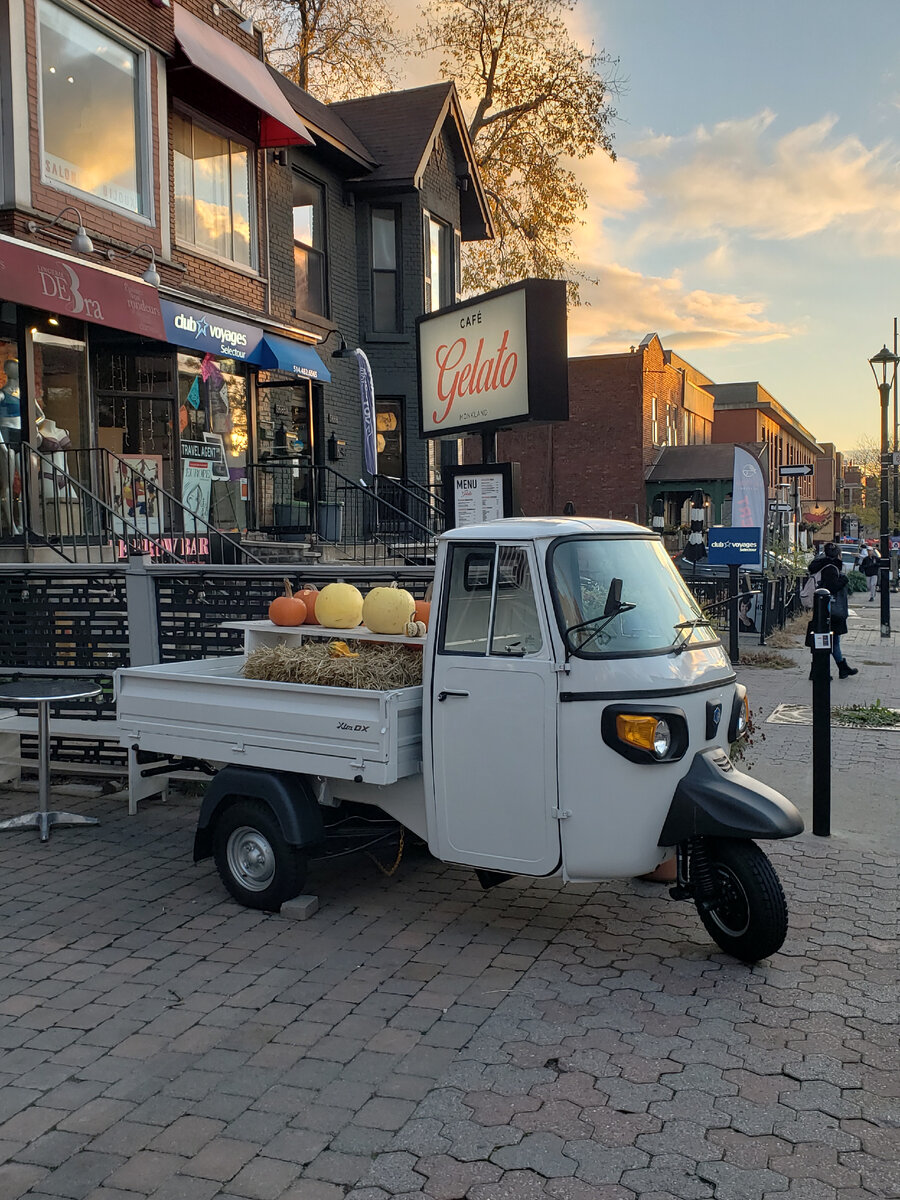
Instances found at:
x=342 y=350
x=462 y=181
x=279 y=157
x=151 y=275
x=80 y=243
x=247 y=26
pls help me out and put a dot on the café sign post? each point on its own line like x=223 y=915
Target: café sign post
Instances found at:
x=486 y=364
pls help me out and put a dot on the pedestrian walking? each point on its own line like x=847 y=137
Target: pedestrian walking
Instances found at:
x=826 y=570
x=869 y=568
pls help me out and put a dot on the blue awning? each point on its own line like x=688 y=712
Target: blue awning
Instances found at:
x=283 y=354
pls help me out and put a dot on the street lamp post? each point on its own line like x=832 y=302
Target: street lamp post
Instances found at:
x=884 y=368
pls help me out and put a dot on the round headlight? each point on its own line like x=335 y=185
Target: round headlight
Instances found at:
x=662 y=739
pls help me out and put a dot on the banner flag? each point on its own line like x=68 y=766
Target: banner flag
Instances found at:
x=367 y=403
x=748 y=495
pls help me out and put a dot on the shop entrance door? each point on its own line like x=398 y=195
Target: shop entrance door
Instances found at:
x=285 y=484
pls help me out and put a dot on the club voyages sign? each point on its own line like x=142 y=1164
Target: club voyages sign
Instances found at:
x=495 y=360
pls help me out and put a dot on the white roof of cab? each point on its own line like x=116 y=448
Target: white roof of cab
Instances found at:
x=542 y=528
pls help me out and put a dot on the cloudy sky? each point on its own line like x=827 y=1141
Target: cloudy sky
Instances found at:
x=753 y=216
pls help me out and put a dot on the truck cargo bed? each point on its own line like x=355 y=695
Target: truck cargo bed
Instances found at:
x=206 y=709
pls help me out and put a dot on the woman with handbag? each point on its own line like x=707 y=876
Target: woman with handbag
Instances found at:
x=826 y=567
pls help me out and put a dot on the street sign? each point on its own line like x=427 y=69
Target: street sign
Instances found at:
x=891 y=459
x=774 y=507
x=800 y=469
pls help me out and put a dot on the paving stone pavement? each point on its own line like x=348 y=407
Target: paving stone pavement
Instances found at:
x=417 y=1037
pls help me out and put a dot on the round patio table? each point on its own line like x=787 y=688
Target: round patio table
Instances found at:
x=43 y=693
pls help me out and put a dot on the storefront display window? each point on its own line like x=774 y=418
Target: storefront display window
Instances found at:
x=134 y=385
x=10 y=424
x=92 y=122
x=212 y=409
x=61 y=399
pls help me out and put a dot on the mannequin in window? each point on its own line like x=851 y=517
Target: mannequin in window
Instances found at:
x=10 y=435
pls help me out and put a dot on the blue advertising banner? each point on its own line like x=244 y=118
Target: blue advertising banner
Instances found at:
x=748 y=496
x=734 y=544
x=210 y=333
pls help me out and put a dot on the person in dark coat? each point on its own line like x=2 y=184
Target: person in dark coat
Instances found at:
x=828 y=568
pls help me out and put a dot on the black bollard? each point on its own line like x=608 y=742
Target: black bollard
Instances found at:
x=734 y=648
x=821 y=713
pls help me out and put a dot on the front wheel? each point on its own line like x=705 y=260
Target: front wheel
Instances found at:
x=256 y=864
x=746 y=913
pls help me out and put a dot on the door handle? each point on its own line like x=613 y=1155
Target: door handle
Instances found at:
x=442 y=696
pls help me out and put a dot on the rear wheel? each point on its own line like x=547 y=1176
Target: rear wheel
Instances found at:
x=258 y=867
x=747 y=912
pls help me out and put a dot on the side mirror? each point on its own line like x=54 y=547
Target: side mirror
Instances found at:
x=613 y=598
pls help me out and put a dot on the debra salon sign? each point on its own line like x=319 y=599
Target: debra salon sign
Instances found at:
x=495 y=360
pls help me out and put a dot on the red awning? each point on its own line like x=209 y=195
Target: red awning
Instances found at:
x=52 y=281
x=212 y=53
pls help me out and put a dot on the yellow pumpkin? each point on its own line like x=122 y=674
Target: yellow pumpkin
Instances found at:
x=339 y=606
x=387 y=609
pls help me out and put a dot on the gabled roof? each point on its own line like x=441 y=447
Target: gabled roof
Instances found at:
x=401 y=128
x=324 y=122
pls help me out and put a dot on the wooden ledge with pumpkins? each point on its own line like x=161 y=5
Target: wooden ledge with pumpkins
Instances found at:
x=356 y=641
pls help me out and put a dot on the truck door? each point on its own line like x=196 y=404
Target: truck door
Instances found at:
x=493 y=715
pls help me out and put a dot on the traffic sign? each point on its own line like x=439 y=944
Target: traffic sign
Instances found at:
x=773 y=507
x=800 y=469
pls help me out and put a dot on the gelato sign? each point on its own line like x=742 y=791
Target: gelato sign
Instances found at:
x=495 y=360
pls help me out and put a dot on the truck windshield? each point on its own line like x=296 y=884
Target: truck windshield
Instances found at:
x=657 y=613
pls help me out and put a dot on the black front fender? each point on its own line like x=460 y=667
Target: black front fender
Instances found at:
x=290 y=798
x=715 y=800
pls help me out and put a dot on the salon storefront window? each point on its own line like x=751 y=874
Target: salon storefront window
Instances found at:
x=93 y=110
x=212 y=408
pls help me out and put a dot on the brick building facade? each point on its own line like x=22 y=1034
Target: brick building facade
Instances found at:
x=248 y=208
x=622 y=409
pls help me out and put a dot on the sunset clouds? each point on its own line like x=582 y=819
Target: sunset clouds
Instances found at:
x=712 y=199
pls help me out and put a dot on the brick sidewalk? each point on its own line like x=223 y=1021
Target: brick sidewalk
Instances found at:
x=420 y=1037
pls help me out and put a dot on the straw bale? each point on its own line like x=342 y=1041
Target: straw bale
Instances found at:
x=378 y=668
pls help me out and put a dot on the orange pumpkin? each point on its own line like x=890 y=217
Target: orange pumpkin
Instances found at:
x=308 y=596
x=423 y=611
x=287 y=609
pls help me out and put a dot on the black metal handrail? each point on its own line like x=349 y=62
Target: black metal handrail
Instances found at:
x=157 y=512
x=60 y=511
x=414 y=498
x=301 y=501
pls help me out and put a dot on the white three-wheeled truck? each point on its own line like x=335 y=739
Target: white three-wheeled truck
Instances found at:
x=574 y=720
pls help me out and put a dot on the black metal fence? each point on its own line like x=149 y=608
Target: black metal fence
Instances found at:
x=765 y=604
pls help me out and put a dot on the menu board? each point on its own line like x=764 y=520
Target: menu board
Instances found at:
x=480 y=492
x=477 y=498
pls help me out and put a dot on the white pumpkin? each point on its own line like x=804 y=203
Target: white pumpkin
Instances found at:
x=339 y=606
x=388 y=609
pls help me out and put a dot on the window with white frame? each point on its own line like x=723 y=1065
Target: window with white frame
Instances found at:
x=93 y=110
x=213 y=191
x=309 y=246
x=439 y=289
x=654 y=420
